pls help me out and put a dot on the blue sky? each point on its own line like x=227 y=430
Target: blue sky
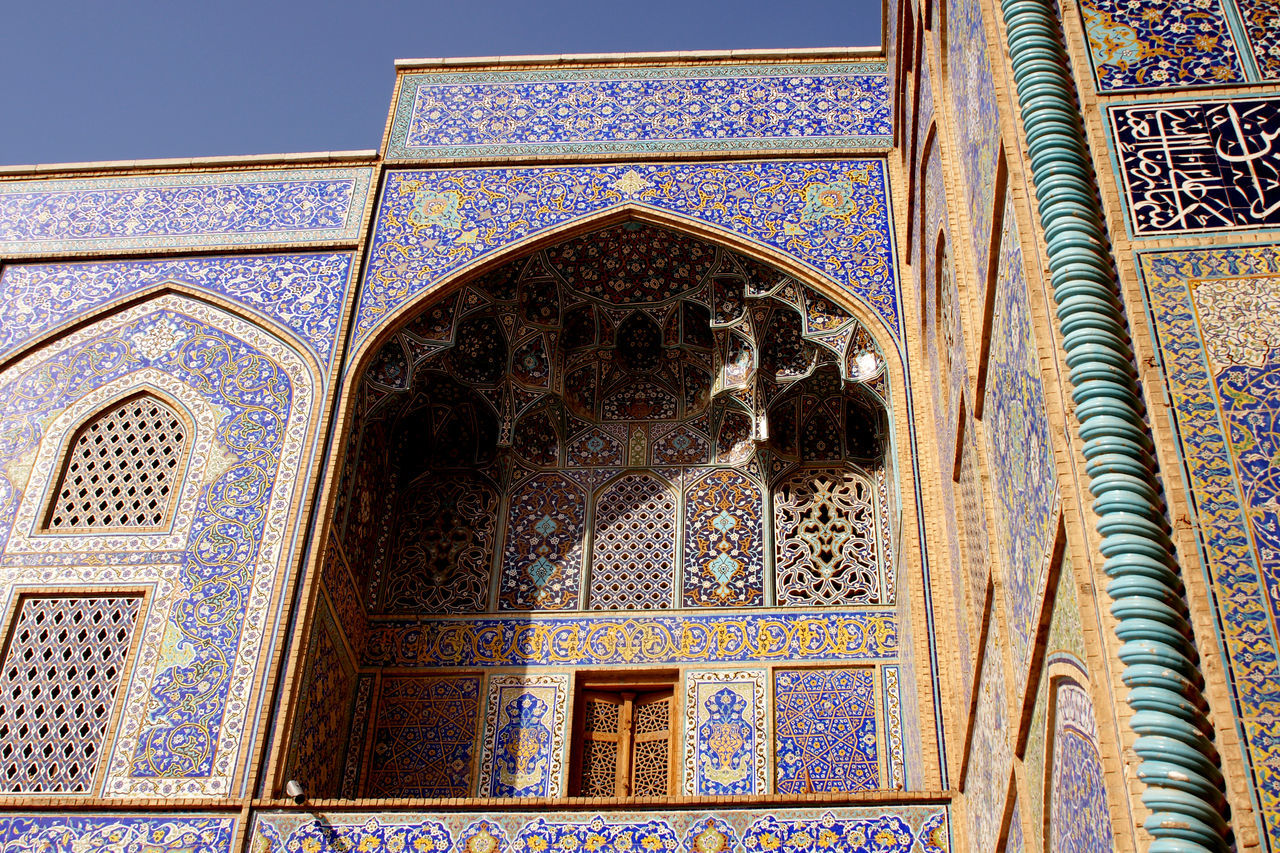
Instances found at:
x=138 y=79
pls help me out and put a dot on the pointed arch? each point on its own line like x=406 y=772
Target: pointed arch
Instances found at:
x=251 y=395
x=121 y=469
x=361 y=357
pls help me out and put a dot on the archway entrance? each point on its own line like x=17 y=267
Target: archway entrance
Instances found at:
x=631 y=420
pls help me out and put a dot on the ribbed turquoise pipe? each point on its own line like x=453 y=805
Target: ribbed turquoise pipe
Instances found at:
x=1180 y=766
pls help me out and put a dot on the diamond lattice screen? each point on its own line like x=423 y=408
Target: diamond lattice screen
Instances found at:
x=121 y=469
x=58 y=685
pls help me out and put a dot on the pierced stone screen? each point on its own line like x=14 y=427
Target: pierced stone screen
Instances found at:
x=121 y=469
x=62 y=666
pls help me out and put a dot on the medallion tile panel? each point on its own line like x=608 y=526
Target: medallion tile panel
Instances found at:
x=182 y=211
x=542 y=558
x=1221 y=375
x=303 y=293
x=1079 y=817
x=424 y=736
x=637 y=110
x=130 y=833
x=1023 y=473
x=524 y=736
x=216 y=575
x=869 y=634
x=723 y=541
x=64 y=661
x=1187 y=168
x=825 y=730
x=829 y=216
x=883 y=829
x=1161 y=45
x=725 y=732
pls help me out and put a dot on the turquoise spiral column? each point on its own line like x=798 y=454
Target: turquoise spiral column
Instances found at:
x=1180 y=766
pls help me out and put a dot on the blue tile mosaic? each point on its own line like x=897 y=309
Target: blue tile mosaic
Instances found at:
x=642 y=110
x=1262 y=27
x=977 y=121
x=119 y=833
x=304 y=293
x=1194 y=167
x=829 y=216
x=826 y=738
x=883 y=829
x=1023 y=473
x=1079 y=817
x=182 y=211
x=725 y=732
x=868 y=634
x=1224 y=384
x=251 y=398
x=1163 y=44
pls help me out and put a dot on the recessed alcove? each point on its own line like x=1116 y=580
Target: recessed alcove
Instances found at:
x=546 y=459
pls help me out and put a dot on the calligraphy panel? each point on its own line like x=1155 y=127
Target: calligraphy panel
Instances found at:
x=1195 y=167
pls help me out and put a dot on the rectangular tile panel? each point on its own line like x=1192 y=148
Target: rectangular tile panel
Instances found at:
x=1195 y=167
x=895 y=828
x=637 y=110
x=206 y=210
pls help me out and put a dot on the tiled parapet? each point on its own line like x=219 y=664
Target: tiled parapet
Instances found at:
x=186 y=210
x=574 y=112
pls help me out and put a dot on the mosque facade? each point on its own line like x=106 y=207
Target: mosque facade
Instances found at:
x=802 y=451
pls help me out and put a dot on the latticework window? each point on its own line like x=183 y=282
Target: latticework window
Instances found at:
x=624 y=743
x=634 y=550
x=122 y=469
x=826 y=538
x=62 y=665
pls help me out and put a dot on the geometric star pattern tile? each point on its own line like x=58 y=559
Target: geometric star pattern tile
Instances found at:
x=424 y=737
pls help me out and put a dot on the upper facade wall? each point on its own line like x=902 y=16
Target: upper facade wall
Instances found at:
x=655 y=109
x=182 y=211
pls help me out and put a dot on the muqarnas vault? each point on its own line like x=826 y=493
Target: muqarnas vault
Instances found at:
x=801 y=450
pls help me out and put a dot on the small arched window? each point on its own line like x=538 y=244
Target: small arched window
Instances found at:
x=121 y=470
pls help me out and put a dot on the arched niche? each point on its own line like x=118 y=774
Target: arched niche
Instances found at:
x=596 y=428
x=634 y=346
